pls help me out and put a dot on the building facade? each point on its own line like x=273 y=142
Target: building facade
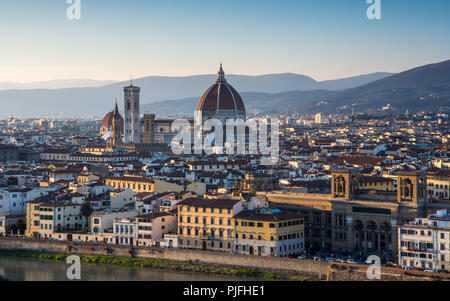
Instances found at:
x=207 y=224
x=425 y=242
x=269 y=233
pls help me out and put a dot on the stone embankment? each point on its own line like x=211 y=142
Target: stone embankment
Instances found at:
x=290 y=266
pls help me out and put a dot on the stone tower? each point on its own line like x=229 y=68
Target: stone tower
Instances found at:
x=344 y=183
x=411 y=187
x=116 y=133
x=131 y=104
x=148 y=129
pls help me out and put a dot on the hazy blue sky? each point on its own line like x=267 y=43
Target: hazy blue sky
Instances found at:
x=324 y=39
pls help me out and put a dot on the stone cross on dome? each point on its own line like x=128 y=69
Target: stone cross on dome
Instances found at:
x=220 y=75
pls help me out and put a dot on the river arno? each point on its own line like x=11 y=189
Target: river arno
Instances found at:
x=30 y=269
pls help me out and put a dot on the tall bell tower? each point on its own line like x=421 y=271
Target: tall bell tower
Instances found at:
x=131 y=104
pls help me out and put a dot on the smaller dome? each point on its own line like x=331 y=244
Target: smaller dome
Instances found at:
x=108 y=120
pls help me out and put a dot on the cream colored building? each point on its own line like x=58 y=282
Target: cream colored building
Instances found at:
x=153 y=226
x=438 y=185
x=425 y=242
x=45 y=217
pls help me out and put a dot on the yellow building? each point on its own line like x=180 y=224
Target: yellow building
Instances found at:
x=32 y=219
x=269 y=232
x=207 y=224
x=438 y=185
x=179 y=186
x=45 y=216
x=85 y=178
x=141 y=184
x=137 y=184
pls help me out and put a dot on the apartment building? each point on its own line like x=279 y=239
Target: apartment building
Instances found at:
x=214 y=165
x=13 y=201
x=438 y=185
x=125 y=231
x=269 y=232
x=207 y=224
x=102 y=221
x=153 y=226
x=47 y=215
x=137 y=184
x=425 y=242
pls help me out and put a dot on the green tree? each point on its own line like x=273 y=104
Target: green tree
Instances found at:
x=86 y=211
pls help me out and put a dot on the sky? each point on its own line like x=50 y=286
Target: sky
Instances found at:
x=324 y=39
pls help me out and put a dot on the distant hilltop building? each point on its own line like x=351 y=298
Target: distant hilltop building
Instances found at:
x=319 y=118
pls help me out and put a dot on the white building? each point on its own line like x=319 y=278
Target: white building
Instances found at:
x=318 y=118
x=425 y=242
x=13 y=201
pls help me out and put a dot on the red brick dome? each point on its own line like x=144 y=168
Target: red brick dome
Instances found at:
x=221 y=96
x=108 y=120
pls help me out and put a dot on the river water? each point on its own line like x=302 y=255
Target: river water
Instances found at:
x=31 y=269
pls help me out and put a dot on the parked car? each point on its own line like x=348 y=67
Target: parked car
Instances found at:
x=317 y=258
x=351 y=261
x=302 y=257
x=407 y=268
x=429 y=270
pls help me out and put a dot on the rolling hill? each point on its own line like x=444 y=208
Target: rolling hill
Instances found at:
x=97 y=101
x=423 y=88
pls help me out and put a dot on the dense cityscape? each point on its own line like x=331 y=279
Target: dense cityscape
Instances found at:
x=224 y=149
x=344 y=187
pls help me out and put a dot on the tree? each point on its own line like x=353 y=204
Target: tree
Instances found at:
x=86 y=210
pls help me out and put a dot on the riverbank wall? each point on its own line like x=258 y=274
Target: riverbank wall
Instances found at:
x=289 y=266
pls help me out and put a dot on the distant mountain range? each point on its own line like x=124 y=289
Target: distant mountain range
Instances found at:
x=55 y=84
x=99 y=100
x=423 y=88
x=254 y=102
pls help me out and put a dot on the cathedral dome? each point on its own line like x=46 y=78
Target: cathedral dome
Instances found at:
x=107 y=123
x=221 y=97
x=108 y=120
